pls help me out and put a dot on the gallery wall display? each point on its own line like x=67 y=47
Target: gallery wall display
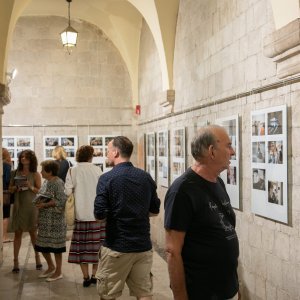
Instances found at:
x=99 y=143
x=163 y=158
x=269 y=163
x=150 y=146
x=232 y=174
x=178 y=153
x=69 y=142
x=16 y=144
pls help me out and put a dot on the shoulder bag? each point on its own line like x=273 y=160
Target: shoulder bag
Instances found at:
x=70 y=209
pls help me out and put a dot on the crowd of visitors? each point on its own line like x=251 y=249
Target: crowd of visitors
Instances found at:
x=112 y=219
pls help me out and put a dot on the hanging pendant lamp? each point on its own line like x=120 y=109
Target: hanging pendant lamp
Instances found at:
x=69 y=35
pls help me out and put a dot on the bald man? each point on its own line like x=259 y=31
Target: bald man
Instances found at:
x=201 y=243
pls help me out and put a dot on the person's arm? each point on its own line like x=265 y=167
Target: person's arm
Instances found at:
x=101 y=201
x=37 y=183
x=174 y=244
x=6 y=174
x=155 y=201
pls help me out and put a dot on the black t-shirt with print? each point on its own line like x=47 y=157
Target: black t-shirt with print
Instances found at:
x=211 y=249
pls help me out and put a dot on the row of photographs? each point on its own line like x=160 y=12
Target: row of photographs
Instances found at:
x=16 y=144
x=268 y=156
x=159 y=143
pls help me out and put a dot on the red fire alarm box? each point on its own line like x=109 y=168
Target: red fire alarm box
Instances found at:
x=138 y=109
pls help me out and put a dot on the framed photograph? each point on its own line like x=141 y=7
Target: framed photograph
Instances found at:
x=163 y=158
x=69 y=142
x=150 y=146
x=269 y=164
x=16 y=144
x=231 y=177
x=178 y=153
x=99 y=143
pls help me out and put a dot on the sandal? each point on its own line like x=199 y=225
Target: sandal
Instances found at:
x=16 y=268
x=38 y=265
x=93 y=279
x=86 y=282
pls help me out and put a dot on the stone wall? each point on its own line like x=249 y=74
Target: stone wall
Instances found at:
x=219 y=55
x=54 y=93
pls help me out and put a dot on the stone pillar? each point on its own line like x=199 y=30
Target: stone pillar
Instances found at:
x=283 y=46
x=167 y=101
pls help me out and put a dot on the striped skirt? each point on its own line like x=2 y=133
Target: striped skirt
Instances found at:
x=86 y=241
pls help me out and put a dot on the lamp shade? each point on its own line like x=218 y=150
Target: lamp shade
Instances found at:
x=69 y=37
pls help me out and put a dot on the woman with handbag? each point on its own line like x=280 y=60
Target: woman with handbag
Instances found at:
x=25 y=184
x=88 y=234
x=7 y=165
x=52 y=227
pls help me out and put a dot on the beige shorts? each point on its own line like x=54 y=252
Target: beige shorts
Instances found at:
x=116 y=268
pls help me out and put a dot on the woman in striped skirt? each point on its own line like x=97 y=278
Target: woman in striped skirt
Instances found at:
x=88 y=234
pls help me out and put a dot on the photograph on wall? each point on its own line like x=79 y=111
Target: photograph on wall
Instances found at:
x=231 y=176
x=275 y=195
x=8 y=142
x=258 y=179
x=258 y=152
x=258 y=125
x=269 y=197
x=51 y=141
x=107 y=139
x=23 y=142
x=100 y=143
x=275 y=122
x=69 y=142
x=16 y=144
x=275 y=152
x=96 y=141
x=163 y=158
x=150 y=165
x=178 y=153
x=11 y=153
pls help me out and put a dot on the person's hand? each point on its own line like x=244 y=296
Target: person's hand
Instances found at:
x=40 y=205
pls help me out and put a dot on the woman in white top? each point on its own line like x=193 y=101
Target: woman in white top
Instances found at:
x=88 y=234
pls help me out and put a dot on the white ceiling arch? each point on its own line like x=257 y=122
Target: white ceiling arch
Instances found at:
x=120 y=20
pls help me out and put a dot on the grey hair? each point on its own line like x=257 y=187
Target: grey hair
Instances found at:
x=203 y=140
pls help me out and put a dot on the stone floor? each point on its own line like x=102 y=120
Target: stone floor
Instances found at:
x=27 y=285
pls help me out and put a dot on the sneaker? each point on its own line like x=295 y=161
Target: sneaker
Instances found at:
x=86 y=282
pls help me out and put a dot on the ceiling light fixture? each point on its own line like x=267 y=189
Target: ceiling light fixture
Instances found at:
x=11 y=75
x=69 y=35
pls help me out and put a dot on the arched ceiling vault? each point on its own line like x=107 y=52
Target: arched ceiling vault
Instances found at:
x=120 y=20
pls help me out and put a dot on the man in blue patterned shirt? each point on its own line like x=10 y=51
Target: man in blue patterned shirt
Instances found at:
x=126 y=197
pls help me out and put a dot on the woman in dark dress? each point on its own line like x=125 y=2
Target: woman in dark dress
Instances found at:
x=60 y=155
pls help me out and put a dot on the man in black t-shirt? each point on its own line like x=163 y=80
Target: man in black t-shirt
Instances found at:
x=201 y=243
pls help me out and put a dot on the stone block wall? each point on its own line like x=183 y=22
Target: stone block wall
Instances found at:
x=219 y=55
x=91 y=86
x=54 y=93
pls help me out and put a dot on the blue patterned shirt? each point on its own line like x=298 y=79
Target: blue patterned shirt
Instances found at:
x=125 y=197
